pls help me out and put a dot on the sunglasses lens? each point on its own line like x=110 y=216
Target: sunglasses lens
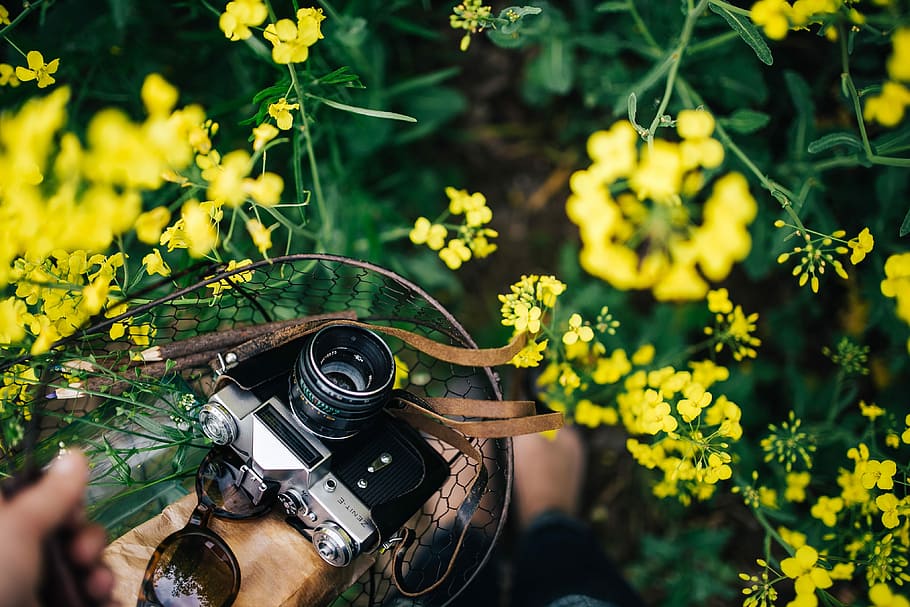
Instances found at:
x=193 y=570
x=219 y=480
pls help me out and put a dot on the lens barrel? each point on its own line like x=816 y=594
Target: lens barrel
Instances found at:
x=341 y=380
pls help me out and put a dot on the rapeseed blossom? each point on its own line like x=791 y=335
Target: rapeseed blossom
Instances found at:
x=819 y=251
x=38 y=70
x=806 y=575
x=692 y=430
x=472 y=16
x=889 y=106
x=472 y=236
x=291 y=40
x=646 y=235
x=239 y=16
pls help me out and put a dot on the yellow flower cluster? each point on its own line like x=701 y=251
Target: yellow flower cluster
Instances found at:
x=524 y=309
x=471 y=16
x=66 y=201
x=889 y=106
x=818 y=251
x=636 y=210
x=291 y=39
x=473 y=235
x=778 y=17
x=732 y=327
x=693 y=429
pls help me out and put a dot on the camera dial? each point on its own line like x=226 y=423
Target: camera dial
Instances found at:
x=341 y=380
x=334 y=545
x=218 y=423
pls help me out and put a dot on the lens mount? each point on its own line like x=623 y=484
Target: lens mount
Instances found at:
x=341 y=380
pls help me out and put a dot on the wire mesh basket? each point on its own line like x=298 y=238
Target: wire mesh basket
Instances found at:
x=295 y=286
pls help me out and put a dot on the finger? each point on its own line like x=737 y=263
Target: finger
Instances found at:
x=100 y=584
x=50 y=501
x=87 y=546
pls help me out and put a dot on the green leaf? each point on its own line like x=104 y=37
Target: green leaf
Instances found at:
x=745 y=121
x=905 y=226
x=831 y=140
x=554 y=69
x=342 y=75
x=513 y=15
x=743 y=26
x=611 y=7
x=362 y=110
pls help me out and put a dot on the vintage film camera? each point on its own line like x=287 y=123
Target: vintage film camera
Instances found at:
x=309 y=419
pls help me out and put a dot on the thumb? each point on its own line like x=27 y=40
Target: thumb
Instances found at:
x=49 y=502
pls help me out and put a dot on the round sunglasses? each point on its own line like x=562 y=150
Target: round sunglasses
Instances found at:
x=194 y=567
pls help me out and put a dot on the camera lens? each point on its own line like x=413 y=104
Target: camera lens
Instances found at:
x=341 y=380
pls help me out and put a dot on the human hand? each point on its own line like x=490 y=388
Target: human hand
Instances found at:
x=51 y=505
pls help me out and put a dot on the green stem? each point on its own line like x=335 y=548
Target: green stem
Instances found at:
x=780 y=193
x=712 y=43
x=27 y=8
x=676 y=57
x=847 y=81
x=326 y=228
x=639 y=22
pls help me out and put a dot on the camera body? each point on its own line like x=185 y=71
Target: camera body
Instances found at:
x=310 y=421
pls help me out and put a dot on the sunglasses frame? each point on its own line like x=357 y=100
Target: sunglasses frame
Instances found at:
x=198 y=525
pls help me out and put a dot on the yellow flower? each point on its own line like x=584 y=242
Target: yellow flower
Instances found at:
x=871 y=411
x=226 y=181
x=261 y=235
x=694 y=124
x=609 y=370
x=899 y=61
x=796 y=486
x=861 y=245
x=239 y=15
x=577 y=331
x=150 y=224
x=290 y=40
x=12 y=329
x=262 y=134
x=154 y=264
x=801 y=568
x=897 y=283
x=719 y=301
x=38 y=70
x=158 y=95
x=266 y=189
x=198 y=229
x=281 y=112
x=236 y=277
x=826 y=509
x=773 y=16
x=881 y=596
x=8 y=75
x=426 y=232
x=530 y=355
x=889 y=106
x=879 y=474
x=455 y=253
x=141 y=334
x=614 y=151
